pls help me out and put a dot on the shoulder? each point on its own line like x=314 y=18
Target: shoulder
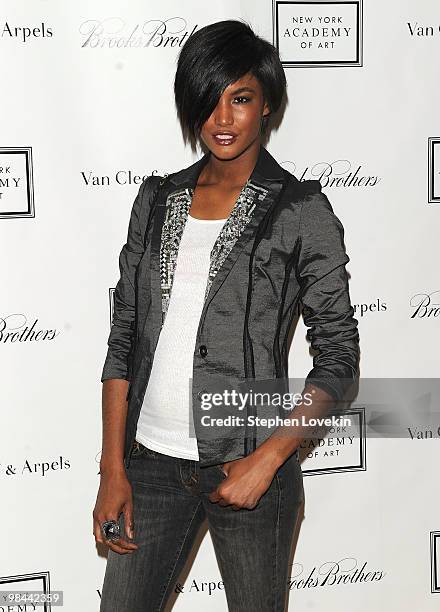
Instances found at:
x=150 y=184
x=316 y=214
x=307 y=195
x=309 y=188
x=149 y=189
x=318 y=220
x=145 y=198
x=297 y=191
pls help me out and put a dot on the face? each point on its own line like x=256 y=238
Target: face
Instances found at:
x=235 y=123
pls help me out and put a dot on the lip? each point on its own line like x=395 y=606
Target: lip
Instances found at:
x=224 y=138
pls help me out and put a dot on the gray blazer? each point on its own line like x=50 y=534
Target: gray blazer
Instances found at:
x=282 y=245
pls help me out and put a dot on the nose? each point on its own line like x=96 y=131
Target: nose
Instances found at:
x=223 y=114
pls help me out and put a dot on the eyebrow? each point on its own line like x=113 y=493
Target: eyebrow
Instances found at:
x=241 y=90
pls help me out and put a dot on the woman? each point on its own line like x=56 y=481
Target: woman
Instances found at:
x=217 y=257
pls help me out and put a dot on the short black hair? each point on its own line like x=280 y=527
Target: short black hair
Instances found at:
x=216 y=56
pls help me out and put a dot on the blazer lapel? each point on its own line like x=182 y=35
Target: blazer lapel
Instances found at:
x=228 y=243
x=154 y=320
x=177 y=206
x=171 y=215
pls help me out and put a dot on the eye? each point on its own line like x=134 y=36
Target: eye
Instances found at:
x=243 y=99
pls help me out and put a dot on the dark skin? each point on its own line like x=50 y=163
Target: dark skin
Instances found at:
x=240 y=110
x=114 y=494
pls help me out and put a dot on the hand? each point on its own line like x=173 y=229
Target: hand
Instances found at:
x=247 y=480
x=114 y=497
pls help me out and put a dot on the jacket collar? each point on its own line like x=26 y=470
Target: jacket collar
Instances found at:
x=266 y=170
x=257 y=195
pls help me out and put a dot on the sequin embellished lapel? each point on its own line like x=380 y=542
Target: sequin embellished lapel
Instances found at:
x=177 y=207
x=233 y=227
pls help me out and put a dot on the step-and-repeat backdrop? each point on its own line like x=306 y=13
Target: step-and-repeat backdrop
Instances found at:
x=87 y=111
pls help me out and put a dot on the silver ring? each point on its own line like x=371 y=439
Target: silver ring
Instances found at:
x=111 y=530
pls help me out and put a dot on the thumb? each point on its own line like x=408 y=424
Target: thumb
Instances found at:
x=214 y=496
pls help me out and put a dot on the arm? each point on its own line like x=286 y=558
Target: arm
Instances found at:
x=116 y=372
x=329 y=316
x=114 y=494
x=332 y=330
x=114 y=416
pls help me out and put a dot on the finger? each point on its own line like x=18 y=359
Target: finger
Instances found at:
x=116 y=547
x=225 y=468
x=122 y=544
x=214 y=496
x=128 y=520
x=249 y=506
x=97 y=531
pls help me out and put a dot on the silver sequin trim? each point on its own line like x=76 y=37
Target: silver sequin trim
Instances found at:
x=178 y=205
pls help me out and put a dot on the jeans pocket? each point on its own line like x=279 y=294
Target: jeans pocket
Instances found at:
x=139 y=450
x=291 y=476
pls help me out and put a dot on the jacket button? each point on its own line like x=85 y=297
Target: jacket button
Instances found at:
x=203 y=350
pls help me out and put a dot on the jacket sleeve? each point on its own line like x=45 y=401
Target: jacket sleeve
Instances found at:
x=117 y=361
x=327 y=310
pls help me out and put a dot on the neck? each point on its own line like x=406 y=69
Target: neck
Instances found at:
x=235 y=171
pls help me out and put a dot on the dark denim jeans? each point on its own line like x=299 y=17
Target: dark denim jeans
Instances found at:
x=170 y=502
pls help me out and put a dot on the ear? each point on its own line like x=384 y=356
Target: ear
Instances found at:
x=266 y=110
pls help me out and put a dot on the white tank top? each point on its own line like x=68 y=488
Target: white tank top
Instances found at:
x=163 y=423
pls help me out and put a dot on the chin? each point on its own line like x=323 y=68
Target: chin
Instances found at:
x=226 y=153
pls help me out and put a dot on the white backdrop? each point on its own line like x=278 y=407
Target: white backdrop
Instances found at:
x=86 y=99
